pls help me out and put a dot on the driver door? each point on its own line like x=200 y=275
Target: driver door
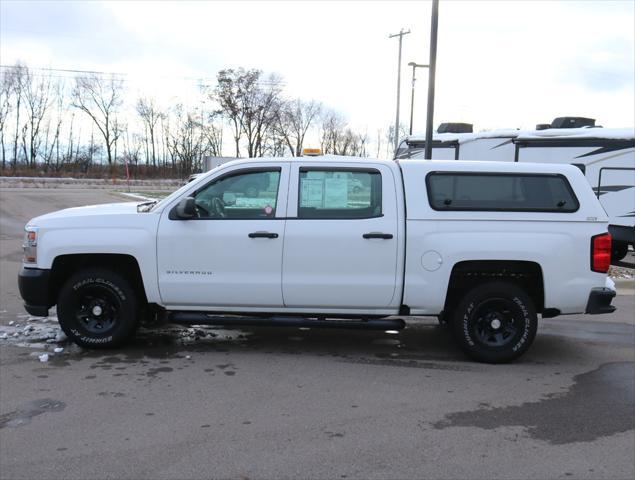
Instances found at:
x=230 y=254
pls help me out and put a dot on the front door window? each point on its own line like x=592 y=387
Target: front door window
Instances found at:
x=250 y=195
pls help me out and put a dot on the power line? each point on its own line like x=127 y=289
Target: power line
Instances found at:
x=200 y=80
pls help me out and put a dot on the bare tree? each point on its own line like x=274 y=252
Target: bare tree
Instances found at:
x=230 y=94
x=100 y=99
x=6 y=89
x=332 y=129
x=212 y=136
x=293 y=122
x=150 y=115
x=337 y=138
x=250 y=104
x=17 y=81
x=261 y=105
x=37 y=100
x=60 y=113
x=185 y=141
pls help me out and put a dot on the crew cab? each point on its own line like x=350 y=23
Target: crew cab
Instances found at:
x=332 y=242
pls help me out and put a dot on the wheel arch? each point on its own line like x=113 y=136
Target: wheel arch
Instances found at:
x=469 y=274
x=125 y=265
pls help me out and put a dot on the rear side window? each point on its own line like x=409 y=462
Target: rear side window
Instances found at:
x=500 y=192
x=339 y=193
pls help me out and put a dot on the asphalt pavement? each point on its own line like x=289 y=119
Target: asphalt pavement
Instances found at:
x=256 y=403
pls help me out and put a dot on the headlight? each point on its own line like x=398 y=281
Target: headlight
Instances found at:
x=30 y=244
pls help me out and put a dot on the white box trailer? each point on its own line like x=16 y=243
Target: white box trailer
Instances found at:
x=605 y=155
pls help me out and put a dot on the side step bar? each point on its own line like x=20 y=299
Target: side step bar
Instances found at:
x=201 y=318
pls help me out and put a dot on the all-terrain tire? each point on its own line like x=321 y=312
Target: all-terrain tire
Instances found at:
x=97 y=308
x=495 y=322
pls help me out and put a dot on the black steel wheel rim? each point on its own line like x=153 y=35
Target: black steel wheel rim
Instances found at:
x=496 y=322
x=97 y=309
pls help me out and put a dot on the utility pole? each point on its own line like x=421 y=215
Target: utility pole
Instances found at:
x=434 y=27
x=400 y=35
x=412 y=94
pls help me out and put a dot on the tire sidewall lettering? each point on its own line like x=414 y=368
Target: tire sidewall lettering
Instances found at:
x=521 y=308
x=98 y=281
x=466 y=324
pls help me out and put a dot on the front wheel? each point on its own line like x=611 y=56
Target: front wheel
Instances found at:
x=97 y=308
x=495 y=322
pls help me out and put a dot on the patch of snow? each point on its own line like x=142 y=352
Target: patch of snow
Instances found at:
x=61 y=337
x=11 y=323
x=137 y=196
x=58 y=350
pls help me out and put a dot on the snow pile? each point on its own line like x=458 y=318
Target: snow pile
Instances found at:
x=621 y=273
x=37 y=333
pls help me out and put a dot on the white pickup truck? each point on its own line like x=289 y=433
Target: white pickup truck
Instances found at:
x=332 y=242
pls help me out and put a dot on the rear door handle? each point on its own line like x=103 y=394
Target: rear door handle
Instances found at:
x=263 y=235
x=383 y=236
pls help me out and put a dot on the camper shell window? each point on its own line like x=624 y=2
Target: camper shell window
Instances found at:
x=500 y=192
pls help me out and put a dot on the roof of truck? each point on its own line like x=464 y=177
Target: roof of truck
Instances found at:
x=464 y=165
x=307 y=159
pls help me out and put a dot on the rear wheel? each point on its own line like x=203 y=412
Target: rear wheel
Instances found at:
x=97 y=308
x=495 y=322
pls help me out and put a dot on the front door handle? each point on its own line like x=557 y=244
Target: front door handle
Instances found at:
x=383 y=236
x=263 y=235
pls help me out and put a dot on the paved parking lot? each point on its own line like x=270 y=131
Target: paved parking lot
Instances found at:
x=293 y=403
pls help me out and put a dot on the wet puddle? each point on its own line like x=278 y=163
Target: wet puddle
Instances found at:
x=600 y=403
x=23 y=415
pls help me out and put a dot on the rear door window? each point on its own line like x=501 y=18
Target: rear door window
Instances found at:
x=339 y=193
x=500 y=192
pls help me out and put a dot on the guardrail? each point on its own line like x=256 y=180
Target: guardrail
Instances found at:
x=100 y=183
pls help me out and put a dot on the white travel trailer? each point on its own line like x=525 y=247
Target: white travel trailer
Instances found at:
x=605 y=155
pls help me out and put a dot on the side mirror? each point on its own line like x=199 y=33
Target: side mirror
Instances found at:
x=186 y=208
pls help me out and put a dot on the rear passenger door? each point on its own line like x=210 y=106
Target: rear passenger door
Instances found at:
x=341 y=238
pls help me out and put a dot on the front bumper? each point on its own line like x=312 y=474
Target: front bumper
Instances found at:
x=34 y=285
x=600 y=301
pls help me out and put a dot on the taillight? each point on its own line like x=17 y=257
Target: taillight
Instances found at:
x=601 y=253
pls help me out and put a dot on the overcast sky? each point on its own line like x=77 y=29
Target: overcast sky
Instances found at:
x=500 y=64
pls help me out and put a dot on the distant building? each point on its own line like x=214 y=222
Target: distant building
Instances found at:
x=213 y=162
